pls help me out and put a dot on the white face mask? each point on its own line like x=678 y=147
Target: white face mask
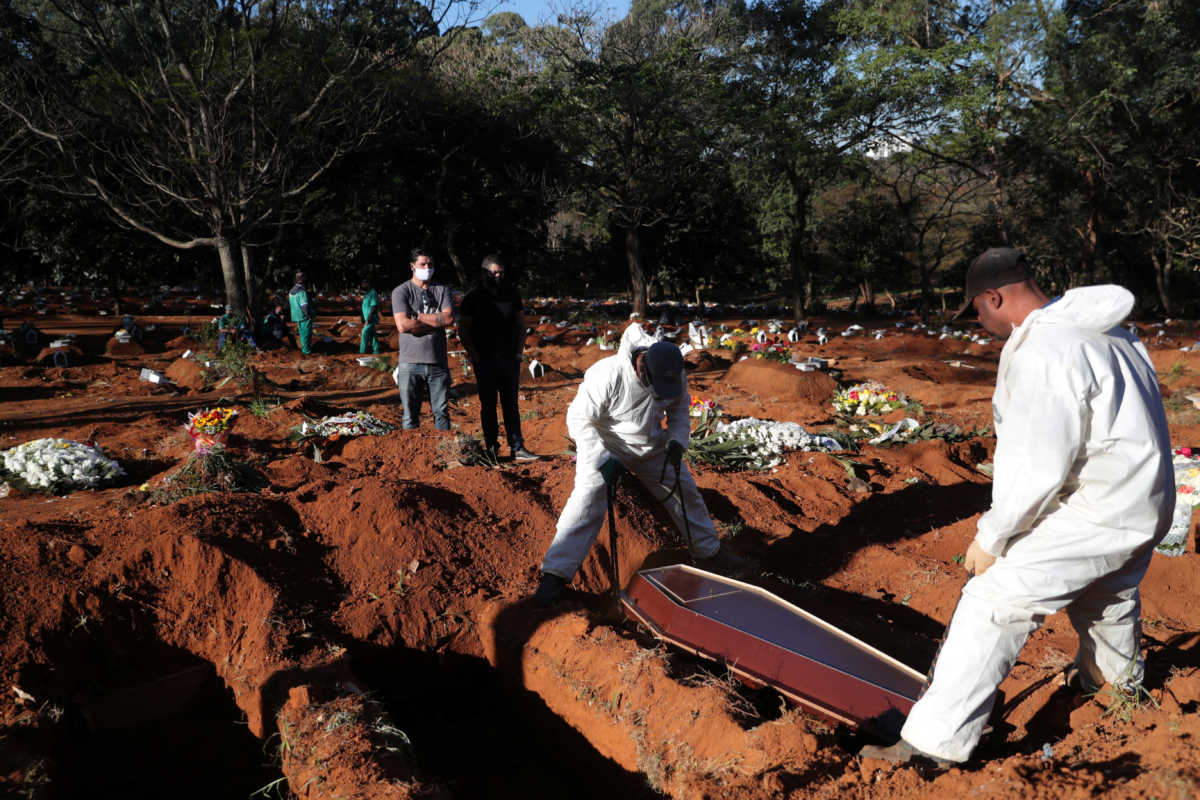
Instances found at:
x=423 y=274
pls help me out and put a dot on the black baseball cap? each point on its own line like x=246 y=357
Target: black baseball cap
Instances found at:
x=995 y=267
x=664 y=363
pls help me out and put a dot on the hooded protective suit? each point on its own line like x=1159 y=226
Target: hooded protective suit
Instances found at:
x=615 y=415
x=1083 y=491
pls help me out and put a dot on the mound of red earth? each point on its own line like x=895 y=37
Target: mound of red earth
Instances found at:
x=366 y=612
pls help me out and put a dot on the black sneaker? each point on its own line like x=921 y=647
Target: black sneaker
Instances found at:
x=549 y=590
x=521 y=454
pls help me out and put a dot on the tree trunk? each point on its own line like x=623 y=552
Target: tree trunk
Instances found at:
x=449 y=219
x=926 y=288
x=637 y=275
x=800 y=275
x=231 y=273
x=868 y=294
x=1162 y=279
x=248 y=277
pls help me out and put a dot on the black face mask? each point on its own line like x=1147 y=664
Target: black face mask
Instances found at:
x=493 y=281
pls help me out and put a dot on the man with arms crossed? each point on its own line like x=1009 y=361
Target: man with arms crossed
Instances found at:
x=422 y=310
x=1083 y=491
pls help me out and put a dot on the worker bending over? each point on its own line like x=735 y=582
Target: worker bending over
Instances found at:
x=616 y=421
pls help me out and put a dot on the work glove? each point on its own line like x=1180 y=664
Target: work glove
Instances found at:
x=611 y=470
x=674 y=455
x=977 y=560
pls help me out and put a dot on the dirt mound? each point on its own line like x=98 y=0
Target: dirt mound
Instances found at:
x=183 y=342
x=71 y=353
x=118 y=349
x=773 y=380
x=704 y=361
x=370 y=589
x=186 y=372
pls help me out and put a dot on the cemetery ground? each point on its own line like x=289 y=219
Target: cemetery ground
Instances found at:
x=352 y=619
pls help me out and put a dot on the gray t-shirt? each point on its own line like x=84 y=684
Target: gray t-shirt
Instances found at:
x=411 y=300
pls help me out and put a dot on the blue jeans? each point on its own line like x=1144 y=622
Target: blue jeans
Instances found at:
x=412 y=378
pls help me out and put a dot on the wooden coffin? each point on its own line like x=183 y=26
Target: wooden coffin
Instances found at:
x=765 y=640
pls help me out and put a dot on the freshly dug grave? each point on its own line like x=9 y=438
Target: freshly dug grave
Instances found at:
x=367 y=616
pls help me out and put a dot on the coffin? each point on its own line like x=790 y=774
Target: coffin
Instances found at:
x=765 y=640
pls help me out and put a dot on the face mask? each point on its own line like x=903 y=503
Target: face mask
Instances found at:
x=423 y=274
x=493 y=281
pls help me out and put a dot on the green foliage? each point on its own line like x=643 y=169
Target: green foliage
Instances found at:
x=261 y=407
x=203 y=473
x=232 y=363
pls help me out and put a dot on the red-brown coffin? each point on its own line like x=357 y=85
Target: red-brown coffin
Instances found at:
x=766 y=640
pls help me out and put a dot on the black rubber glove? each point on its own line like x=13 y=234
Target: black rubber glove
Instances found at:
x=674 y=455
x=611 y=471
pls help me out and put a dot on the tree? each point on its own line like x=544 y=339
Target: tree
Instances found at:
x=957 y=75
x=634 y=103
x=204 y=124
x=797 y=124
x=1115 y=147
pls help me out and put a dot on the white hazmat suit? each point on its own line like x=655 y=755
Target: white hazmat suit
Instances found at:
x=615 y=415
x=1083 y=491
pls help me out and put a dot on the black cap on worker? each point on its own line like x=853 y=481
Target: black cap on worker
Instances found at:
x=996 y=267
x=664 y=364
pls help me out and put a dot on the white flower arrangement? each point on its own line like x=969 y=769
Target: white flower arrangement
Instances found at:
x=1187 y=497
x=754 y=443
x=59 y=464
x=1187 y=476
x=360 y=423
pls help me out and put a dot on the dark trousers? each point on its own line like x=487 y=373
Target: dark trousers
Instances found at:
x=499 y=375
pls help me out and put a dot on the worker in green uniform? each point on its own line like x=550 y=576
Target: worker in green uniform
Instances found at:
x=370 y=316
x=302 y=313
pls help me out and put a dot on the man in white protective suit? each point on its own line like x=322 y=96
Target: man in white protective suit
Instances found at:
x=1083 y=490
x=616 y=420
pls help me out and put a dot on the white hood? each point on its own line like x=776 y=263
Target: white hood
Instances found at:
x=615 y=414
x=1082 y=446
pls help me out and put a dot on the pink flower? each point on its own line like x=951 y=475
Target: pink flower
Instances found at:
x=1186 y=452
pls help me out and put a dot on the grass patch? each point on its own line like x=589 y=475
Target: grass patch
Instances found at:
x=232 y=363
x=1121 y=702
x=262 y=407
x=467 y=451
x=1180 y=410
x=204 y=473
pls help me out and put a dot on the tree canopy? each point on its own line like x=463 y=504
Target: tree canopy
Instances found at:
x=799 y=149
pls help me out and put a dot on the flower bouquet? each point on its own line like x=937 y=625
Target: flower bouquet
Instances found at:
x=59 y=464
x=867 y=398
x=332 y=428
x=772 y=351
x=1187 y=497
x=700 y=407
x=210 y=428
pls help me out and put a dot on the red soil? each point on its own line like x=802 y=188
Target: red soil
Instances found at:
x=384 y=590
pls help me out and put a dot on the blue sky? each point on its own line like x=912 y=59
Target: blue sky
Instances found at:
x=535 y=11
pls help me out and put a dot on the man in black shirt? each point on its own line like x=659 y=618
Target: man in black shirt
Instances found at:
x=492 y=328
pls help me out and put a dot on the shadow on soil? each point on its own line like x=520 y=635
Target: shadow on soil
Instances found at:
x=475 y=730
